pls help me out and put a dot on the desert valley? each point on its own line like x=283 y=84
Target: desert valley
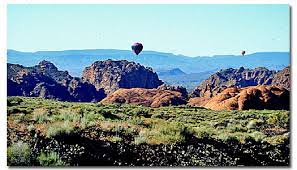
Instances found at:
x=120 y=113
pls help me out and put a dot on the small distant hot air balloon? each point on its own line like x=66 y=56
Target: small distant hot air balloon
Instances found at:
x=243 y=53
x=137 y=48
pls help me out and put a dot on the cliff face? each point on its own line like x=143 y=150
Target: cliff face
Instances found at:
x=101 y=78
x=282 y=78
x=46 y=81
x=111 y=75
x=241 y=77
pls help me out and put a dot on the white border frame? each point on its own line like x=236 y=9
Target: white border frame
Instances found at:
x=3 y=57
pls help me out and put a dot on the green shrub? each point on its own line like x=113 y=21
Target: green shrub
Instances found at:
x=20 y=118
x=141 y=138
x=257 y=136
x=16 y=110
x=136 y=121
x=66 y=115
x=254 y=124
x=203 y=132
x=40 y=115
x=159 y=115
x=228 y=137
x=12 y=101
x=31 y=128
x=56 y=130
x=280 y=119
x=86 y=122
x=274 y=140
x=50 y=159
x=18 y=154
x=116 y=139
x=167 y=132
x=118 y=129
x=237 y=128
x=140 y=111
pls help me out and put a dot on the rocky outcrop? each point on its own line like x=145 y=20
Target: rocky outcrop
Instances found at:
x=180 y=89
x=241 y=77
x=46 y=81
x=255 y=97
x=282 y=78
x=145 y=97
x=111 y=75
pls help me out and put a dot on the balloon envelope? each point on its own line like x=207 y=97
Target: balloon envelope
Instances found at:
x=137 y=48
x=243 y=52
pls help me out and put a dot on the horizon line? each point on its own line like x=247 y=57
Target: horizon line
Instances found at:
x=146 y=51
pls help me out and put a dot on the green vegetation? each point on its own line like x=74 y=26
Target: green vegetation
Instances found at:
x=50 y=159
x=19 y=154
x=133 y=124
x=58 y=129
x=149 y=125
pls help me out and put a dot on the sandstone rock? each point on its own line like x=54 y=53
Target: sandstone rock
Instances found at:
x=241 y=77
x=255 y=97
x=145 y=97
x=180 y=89
x=198 y=101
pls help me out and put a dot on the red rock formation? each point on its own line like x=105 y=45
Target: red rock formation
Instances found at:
x=180 y=89
x=145 y=97
x=241 y=77
x=254 y=97
x=198 y=101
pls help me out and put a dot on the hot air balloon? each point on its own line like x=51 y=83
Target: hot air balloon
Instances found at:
x=243 y=52
x=137 y=48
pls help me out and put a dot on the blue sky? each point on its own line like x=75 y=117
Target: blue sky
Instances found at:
x=192 y=30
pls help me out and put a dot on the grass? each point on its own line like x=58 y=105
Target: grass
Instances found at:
x=146 y=125
x=18 y=154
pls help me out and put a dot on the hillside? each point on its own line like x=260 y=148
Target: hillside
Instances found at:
x=171 y=72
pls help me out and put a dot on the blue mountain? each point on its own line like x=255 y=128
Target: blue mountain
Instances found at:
x=75 y=61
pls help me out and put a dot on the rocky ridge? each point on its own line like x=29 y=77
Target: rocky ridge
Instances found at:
x=241 y=77
x=46 y=81
x=112 y=75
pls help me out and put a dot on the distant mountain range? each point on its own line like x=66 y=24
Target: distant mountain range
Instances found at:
x=177 y=77
x=171 y=72
x=76 y=60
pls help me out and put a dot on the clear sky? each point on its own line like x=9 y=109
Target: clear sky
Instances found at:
x=193 y=30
